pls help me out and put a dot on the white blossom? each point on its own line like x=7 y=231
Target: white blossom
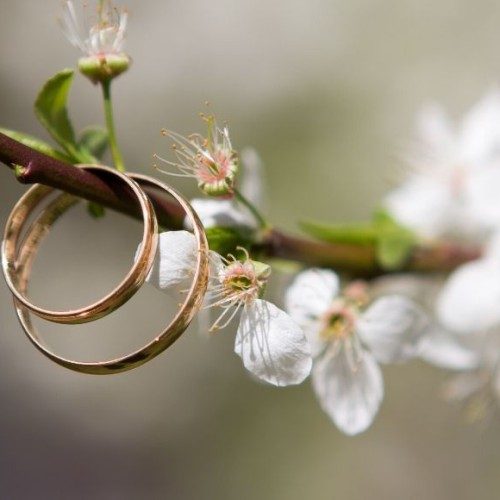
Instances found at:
x=454 y=187
x=270 y=343
x=210 y=160
x=445 y=349
x=467 y=337
x=478 y=389
x=438 y=345
x=470 y=298
x=228 y=212
x=349 y=340
x=102 y=31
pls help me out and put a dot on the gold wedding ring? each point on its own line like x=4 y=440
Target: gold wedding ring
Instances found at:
x=117 y=297
x=192 y=302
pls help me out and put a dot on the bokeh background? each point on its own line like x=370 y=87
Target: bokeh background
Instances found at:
x=326 y=90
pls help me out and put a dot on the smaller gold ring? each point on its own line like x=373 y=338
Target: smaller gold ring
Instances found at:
x=117 y=297
x=167 y=337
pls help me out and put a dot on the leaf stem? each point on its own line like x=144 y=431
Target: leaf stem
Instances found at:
x=261 y=221
x=110 y=125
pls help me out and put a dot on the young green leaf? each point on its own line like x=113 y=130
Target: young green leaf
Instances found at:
x=394 y=248
x=36 y=144
x=393 y=242
x=94 y=141
x=225 y=240
x=51 y=111
x=356 y=233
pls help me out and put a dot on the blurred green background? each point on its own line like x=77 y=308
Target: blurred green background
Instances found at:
x=326 y=90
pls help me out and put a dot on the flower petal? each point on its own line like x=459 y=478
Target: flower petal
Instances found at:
x=443 y=349
x=480 y=134
x=350 y=397
x=469 y=301
x=481 y=197
x=214 y=212
x=392 y=328
x=272 y=346
x=492 y=249
x=175 y=259
x=435 y=131
x=311 y=294
x=423 y=205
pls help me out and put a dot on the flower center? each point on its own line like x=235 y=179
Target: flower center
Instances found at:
x=215 y=167
x=338 y=321
x=240 y=282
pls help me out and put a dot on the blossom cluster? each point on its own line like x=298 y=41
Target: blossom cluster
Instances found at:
x=452 y=193
x=336 y=331
x=342 y=332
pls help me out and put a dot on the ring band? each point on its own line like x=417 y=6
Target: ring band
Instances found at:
x=124 y=291
x=172 y=332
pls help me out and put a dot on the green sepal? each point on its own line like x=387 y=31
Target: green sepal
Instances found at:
x=94 y=142
x=51 y=110
x=36 y=144
x=263 y=270
x=226 y=240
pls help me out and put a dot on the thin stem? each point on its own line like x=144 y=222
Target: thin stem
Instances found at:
x=261 y=221
x=110 y=125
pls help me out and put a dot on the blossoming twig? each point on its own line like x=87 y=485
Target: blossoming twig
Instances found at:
x=357 y=260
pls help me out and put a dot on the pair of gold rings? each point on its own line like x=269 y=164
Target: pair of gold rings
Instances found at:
x=19 y=253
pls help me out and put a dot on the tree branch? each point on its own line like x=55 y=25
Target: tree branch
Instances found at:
x=359 y=260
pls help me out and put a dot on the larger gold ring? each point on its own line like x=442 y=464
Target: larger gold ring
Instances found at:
x=117 y=297
x=172 y=332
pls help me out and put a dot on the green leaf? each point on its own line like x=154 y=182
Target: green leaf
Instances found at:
x=394 y=248
x=393 y=242
x=36 y=144
x=356 y=234
x=225 y=240
x=51 y=111
x=94 y=141
x=95 y=210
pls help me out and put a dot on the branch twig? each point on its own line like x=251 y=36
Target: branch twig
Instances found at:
x=359 y=260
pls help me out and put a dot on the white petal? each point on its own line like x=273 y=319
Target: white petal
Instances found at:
x=215 y=262
x=435 y=130
x=272 y=346
x=213 y=212
x=312 y=331
x=470 y=299
x=444 y=350
x=350 y=397
x=175 y=259
x=480 y=135
x=311 y=294
x=252 y=183
x=482 y=197
x=392 y=328
x=492 y=250
x=423 y=204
